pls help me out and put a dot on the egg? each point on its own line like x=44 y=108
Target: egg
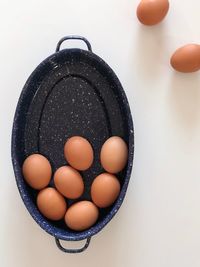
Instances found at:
x=114 y=154
x=51 y=204
x=81 y=215
x=69 y=182
x=37 y=171
x=105 y=190
x=151 y=12
x=186 y=59
x=79 y=153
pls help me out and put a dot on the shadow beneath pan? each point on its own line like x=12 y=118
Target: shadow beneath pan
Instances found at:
x=184 y=96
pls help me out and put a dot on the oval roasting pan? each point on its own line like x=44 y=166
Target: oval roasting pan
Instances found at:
x=72 y=92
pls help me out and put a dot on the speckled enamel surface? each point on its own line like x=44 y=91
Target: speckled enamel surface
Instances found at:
x=73 y=92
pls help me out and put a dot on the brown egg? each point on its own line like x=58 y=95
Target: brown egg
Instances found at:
x=151 y=12
x=51 y=204
x=69 y=182
x=37 y=171
x=78 y=153
x=187 y=58
x=114 y=154
x=105 y=190
x=81 y=215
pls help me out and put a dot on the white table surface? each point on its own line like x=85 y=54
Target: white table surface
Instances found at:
x=158 y=224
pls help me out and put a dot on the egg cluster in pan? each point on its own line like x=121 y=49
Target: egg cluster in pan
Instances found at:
x=69 y=184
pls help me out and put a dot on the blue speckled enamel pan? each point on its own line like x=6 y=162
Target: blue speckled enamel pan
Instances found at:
x=72 y=92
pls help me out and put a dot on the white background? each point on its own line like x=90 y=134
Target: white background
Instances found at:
x=158 y=224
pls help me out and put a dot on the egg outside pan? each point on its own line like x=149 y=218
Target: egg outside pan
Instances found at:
x=151 y=12
x=186 y=59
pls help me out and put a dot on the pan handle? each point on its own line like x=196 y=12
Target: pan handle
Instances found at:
x=73 y=250
x=74 y=37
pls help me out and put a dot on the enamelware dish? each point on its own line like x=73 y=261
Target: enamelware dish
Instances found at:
x=72 y=92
